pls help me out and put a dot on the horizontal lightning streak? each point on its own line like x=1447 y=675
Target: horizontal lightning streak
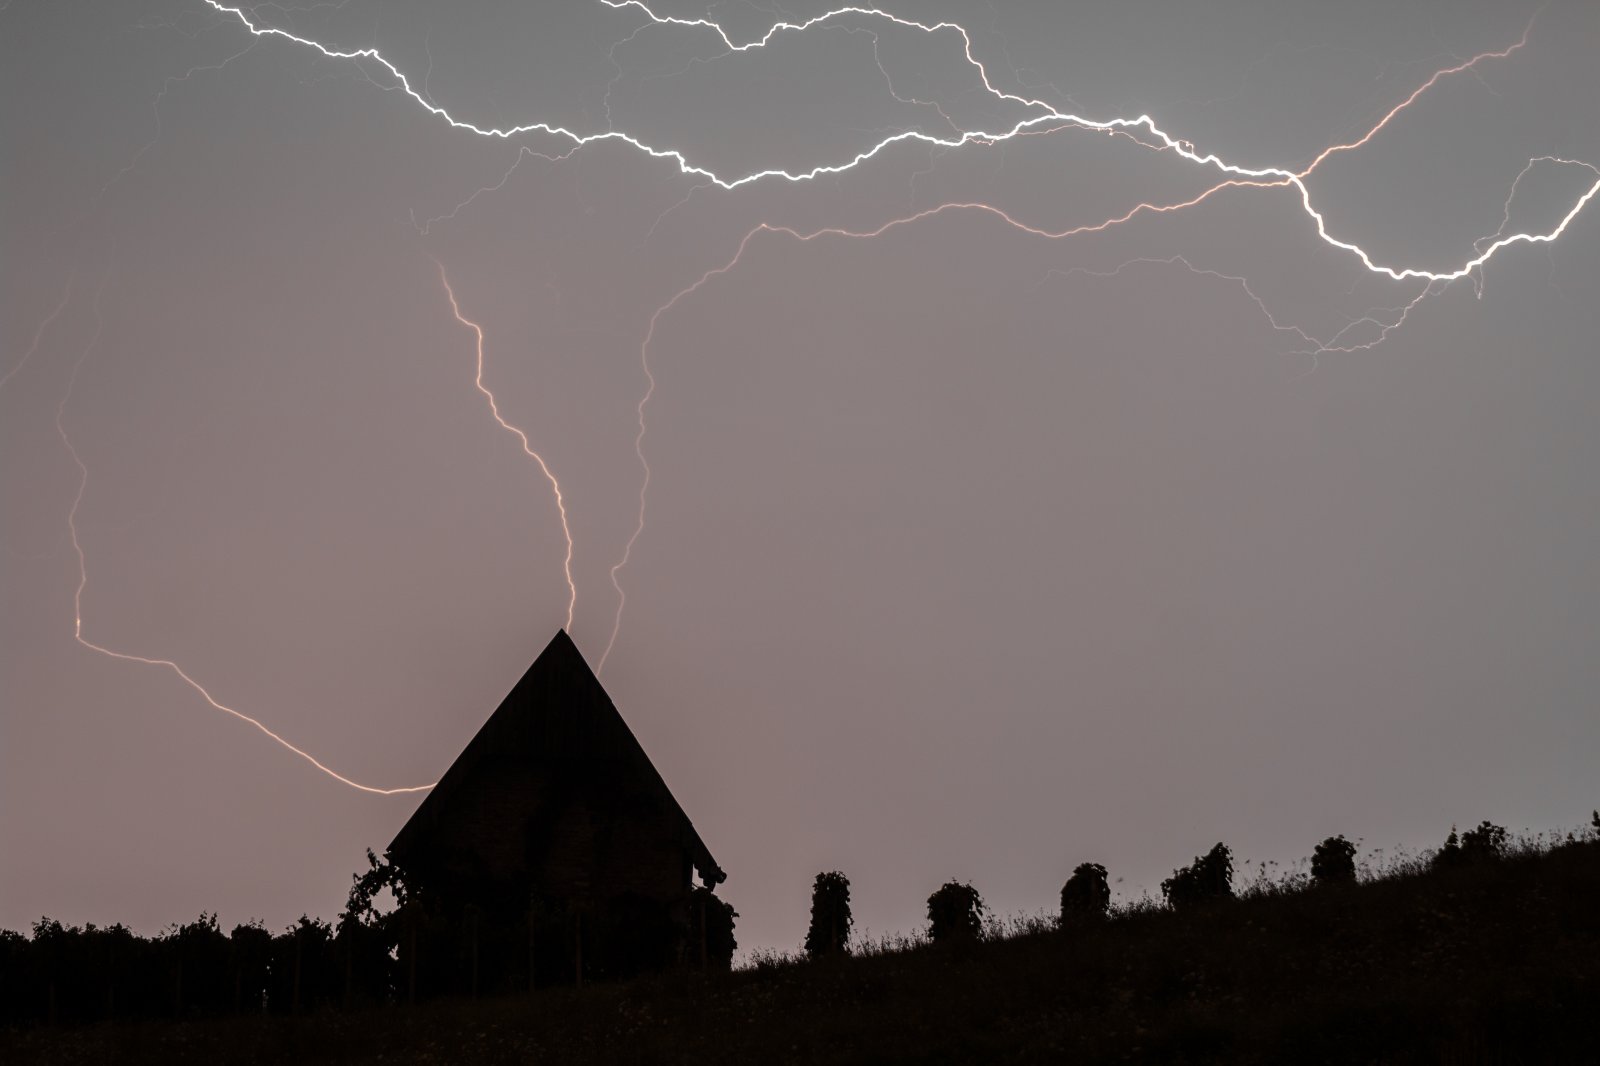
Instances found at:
x=1048 y=115
x=527 y=448
x=83 y=581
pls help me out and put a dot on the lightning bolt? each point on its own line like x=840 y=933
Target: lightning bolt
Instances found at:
x=83 y=581
x=1048 y=116
x=1505 y=218
x=155 y=110
x=38 y=334
x=1337 y=342
x=1044 y=119
x=1485 y=247
x=527 y=448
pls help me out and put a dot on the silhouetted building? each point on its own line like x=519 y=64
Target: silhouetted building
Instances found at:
x=554 y=820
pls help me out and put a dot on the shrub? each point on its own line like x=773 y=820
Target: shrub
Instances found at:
x=1486 y=843
x=1334 y=862
x=1208 y=878
x=955 y=913
x=829 y=932
x=1086 y=896
x=712 y=926
x=1483 y=844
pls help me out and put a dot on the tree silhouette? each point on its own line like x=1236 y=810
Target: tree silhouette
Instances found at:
x=955 y=913
x=251 y=956
x=198 y=954
x=1334 y=862
x=1208 y=878
x=300 y=968
x=1450 y=853
x=1086 y=896
x=829 y=932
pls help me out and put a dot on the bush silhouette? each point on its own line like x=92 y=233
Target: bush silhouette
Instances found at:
x=1483 y=844
x=829 y=932
x=1086 y=896
x=1334 y=862
x=955 y=913
x=1208 y=878
x=1486 y=843
x=711 y=926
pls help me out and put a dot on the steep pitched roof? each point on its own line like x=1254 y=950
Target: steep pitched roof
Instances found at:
x=558 y=712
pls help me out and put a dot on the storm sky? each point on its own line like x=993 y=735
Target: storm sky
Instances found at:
x=967 y=551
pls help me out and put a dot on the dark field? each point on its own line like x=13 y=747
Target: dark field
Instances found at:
x=1497 y=962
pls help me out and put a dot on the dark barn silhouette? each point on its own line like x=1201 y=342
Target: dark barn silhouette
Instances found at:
x=556 y=845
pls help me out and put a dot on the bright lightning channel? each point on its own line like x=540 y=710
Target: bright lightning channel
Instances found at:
x=527 y=448
x=1047 y=118
x=83 y=581
x=1048 y=115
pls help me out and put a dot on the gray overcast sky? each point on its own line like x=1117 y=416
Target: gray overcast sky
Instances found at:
x=968 y=552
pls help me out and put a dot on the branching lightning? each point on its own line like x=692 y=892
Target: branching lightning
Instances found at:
x=1048 y=119
x=1048 y=116
x=1338 y=342
x=1040 y=119
x=527 y=448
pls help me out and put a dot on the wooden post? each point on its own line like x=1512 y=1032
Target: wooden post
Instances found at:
x=702 y=933
x=579 y=939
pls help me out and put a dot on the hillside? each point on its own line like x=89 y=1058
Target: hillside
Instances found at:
x=1494 y=962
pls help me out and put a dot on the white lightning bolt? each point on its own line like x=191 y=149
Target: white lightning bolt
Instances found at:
x=1048 y=115
x=1044 y=118
x=1505 y=218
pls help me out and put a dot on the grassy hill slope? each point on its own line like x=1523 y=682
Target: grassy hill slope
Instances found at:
x=1496 y=962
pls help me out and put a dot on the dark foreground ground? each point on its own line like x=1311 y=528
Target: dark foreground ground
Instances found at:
x=1498 y=963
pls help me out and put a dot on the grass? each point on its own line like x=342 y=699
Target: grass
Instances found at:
x=1487 y=963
